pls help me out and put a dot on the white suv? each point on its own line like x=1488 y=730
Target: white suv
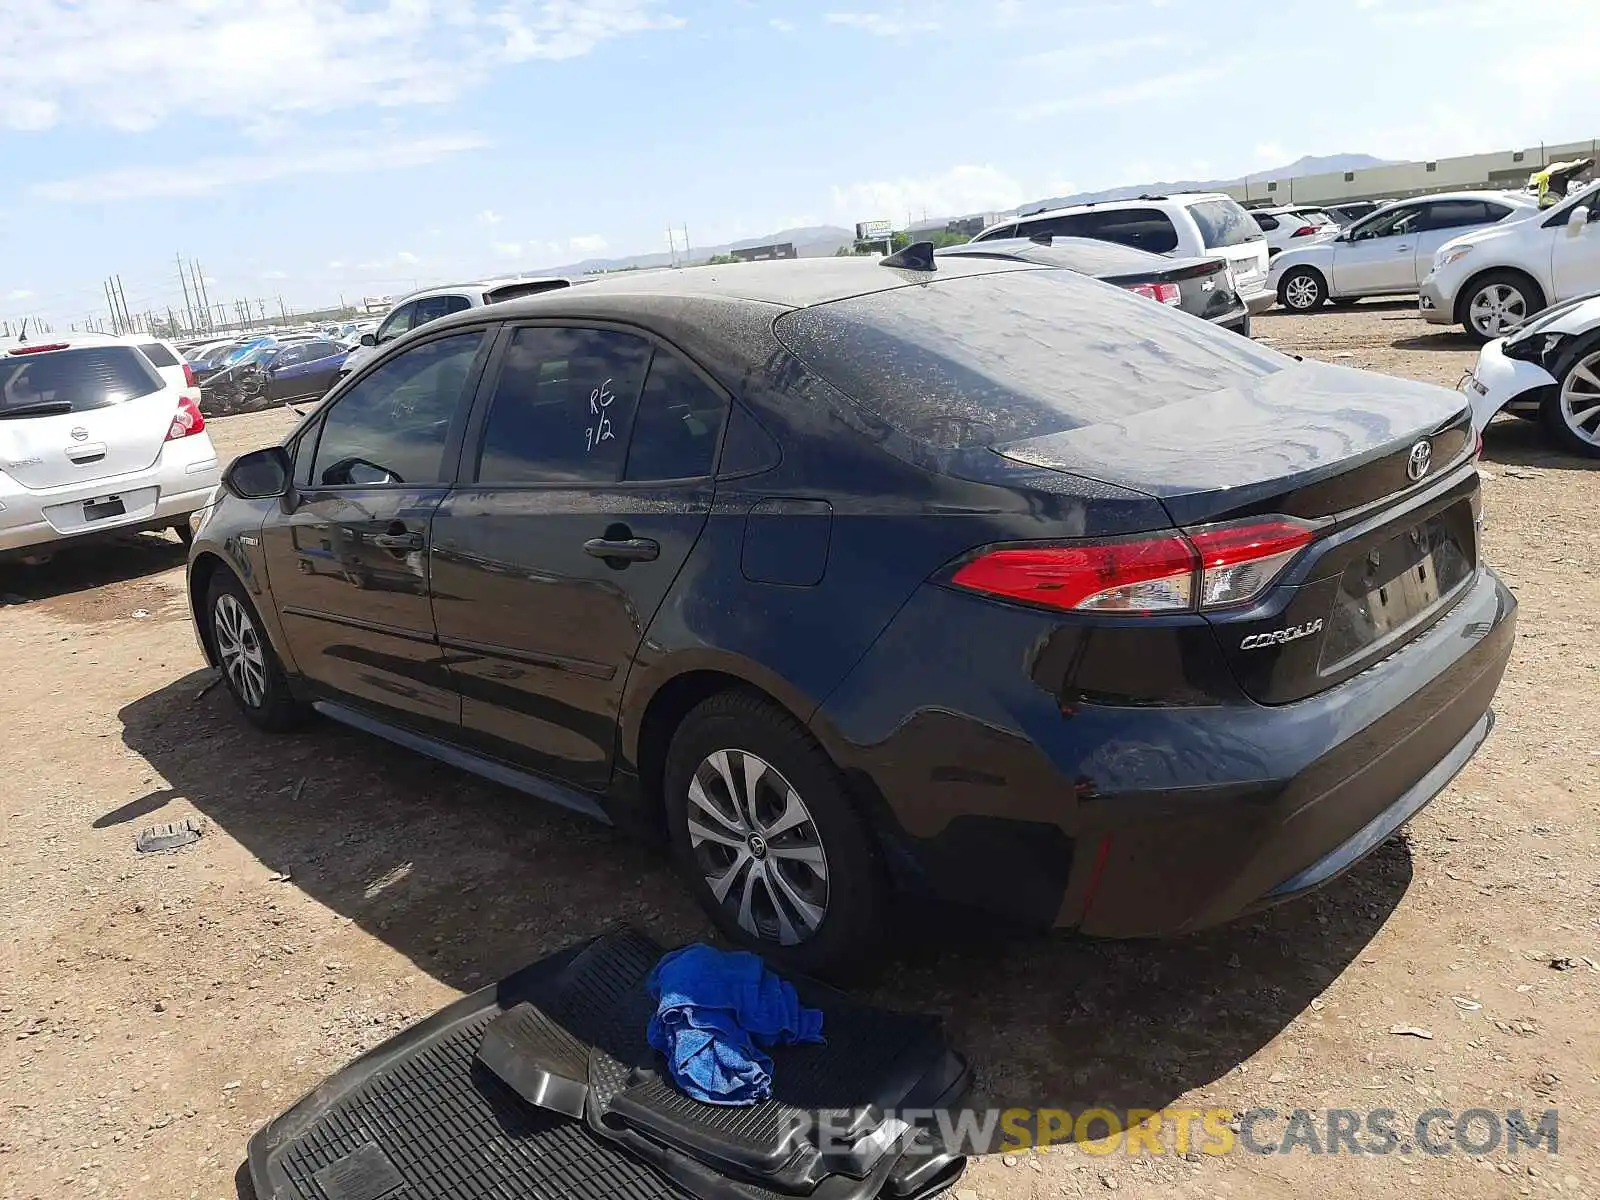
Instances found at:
x=1492 y=280
x=1191 y=225
x=1284 y=226
x=95 y=437
x=419 y=308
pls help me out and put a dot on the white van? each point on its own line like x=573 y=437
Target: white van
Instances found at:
x=1190 y=225
x=1492 y=280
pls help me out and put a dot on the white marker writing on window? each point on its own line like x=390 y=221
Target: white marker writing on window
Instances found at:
x=599 y=400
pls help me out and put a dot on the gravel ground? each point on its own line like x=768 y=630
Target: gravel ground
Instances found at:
x=155 y=1010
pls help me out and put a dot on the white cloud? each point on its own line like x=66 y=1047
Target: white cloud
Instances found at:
x=1083 y=53
x=130 y=65
x=963 y=189
x=406 y=258
x=781 y=25
x=488 y=217
x=586 y=243
x=882 y=24
x=508 y=249
x=19 y=294
x=1171 y=87
x=274 y=274
x=201 y=177
x=336 y=265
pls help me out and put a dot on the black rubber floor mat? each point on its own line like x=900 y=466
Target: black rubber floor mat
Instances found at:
x=469 y=1104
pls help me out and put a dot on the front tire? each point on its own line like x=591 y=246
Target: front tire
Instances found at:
x=1497 y=302
x=1302 y=290
x=250 y=667
x=1572 y=412
x=765 y=833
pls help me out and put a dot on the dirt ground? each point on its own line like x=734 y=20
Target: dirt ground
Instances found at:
x=155 y=1010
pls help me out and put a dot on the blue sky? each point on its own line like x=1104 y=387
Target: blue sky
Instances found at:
x=308 y=148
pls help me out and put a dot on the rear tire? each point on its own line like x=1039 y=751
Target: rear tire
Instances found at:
x=249 y=665
x=764 y=832
x=1496 y=301
x=1572 y=411
x=184 y=533
x=1302 y=289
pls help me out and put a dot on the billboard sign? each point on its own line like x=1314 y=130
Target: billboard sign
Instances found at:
x=874 y=231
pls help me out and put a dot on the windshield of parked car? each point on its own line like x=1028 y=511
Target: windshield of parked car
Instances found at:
x=238 y=353
x=68 y=381
x=1224 y=223
x=990 y=359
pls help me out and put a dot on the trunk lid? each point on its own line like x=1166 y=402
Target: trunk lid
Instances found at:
x=77 y=415
x=1396 y=526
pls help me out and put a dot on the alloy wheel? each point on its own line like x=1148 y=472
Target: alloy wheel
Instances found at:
x=1580 y=399
x=1497 y=308
x=239 y=648
x=1301 y=293
x=756 y=845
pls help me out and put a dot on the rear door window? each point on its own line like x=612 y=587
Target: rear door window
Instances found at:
x=432 y=308
x=68 y=381
x=1453 y=214
x=1223 y=222
x=158 y=354
x=990 y=359
x=562 y=407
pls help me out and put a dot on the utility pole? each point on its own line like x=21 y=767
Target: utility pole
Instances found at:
x=122 y=304
x=261 y=307
x=282 y=309
x=688 y=257
x=199 y=277
x=672 y=245
x=184 y=283
x=112 y=305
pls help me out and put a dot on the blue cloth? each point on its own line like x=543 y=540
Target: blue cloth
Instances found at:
x=716 y=1012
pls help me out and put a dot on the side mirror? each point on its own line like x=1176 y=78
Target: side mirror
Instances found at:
x=369 y=339
x=259 y=475
x=1576 y=220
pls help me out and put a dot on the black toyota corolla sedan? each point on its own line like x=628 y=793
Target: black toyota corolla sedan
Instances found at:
x=951 y=578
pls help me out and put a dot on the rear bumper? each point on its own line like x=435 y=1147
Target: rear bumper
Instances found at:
x=1259 y=301
x=180 y=482
x=1132 y=822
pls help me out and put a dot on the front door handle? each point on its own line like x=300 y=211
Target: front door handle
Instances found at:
x=397 y=541
x=626 y=549
x=1401 y=249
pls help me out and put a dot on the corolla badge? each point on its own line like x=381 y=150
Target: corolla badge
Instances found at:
x=79 y=433
x=1419 y=462
x=1259 y=641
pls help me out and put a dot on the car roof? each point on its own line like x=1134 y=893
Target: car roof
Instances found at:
x=477 y=285
x=1087 y=256
x=784 y=283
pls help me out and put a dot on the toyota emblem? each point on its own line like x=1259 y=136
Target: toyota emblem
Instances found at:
x=79 y=433
x=1421 y=459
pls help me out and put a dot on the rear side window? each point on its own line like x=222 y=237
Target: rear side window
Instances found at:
x=514 y=291
x=563 y=406
x=66 y=381
x=158 y=354
x=1265 y=222
x=991 y=359
x=1223 y=223
x=679 y=423
x=431 y=308
x=994 y=235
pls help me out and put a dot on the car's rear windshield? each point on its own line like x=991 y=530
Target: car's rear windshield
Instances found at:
x=158 y=354
x=990 y=359
x=63 y=381
x=1224 y=223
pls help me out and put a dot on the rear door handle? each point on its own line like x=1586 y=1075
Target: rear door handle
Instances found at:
x=397 y=541
x=626 y=549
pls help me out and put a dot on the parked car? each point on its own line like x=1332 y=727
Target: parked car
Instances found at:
x=1389 y=252
x=1286 y=224
x=169 y=364
x=94 y=438
x=419 y=308
x=1491 y=281
x=1191 y=225
x=1202 y=287
x=974 y=579
x=1548 y=371
x=274 y=374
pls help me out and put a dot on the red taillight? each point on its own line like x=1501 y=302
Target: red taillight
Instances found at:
x=1304 y=231
x=188 y=421
x=1216 y=566
x=40 y=349
x=188 y=376
x=1477 y=448
x=1161 y=293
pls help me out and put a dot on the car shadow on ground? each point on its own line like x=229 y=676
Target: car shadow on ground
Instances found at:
x=470 y=881
x=1517 y=443
x=1450 y=339
x=80 y=567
